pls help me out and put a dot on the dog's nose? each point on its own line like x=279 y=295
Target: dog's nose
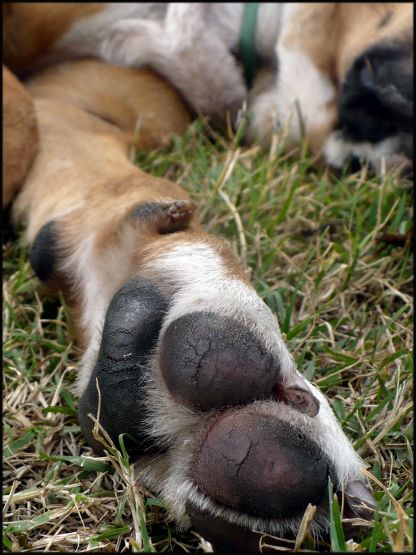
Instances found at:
x=261 y=466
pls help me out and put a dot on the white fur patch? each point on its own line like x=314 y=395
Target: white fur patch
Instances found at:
x=169 y=474
x=84 y=37
x=381 y=156
x=181 y=47
x=301 y=100
x=96 y=277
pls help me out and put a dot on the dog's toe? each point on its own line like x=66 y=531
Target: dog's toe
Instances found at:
x=116 y=390
x=210 y=361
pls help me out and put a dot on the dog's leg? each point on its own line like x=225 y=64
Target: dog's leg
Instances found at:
x=302 y=100
x=87 y=120
x=179 y=351
x=187 y=50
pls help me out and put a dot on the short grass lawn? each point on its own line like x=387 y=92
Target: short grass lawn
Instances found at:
x=329 y=254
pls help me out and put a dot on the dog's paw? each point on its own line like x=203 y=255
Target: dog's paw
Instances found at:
x=192 y=366
x=131 y=42
x=376 y=110
x=185 y=59
x=383 y=156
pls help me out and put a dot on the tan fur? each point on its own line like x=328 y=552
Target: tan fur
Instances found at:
x=312 y=22
x=160 y=245
x=20 y=135
x=348 y=29
x=31 y=29
x=83 y=177
x=83 y=163
x=305 y=31
x=360 y=27
x=332 y=35
x=86 y=154
x=92 y=116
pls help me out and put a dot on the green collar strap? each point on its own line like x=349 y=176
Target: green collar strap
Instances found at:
x=247 y=41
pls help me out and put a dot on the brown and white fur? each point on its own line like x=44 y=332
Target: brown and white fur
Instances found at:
x=102 y=230
x=309 y=53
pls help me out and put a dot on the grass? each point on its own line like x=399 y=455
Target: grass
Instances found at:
x=344 y=301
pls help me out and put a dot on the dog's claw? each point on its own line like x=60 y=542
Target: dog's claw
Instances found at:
x=165 y=217
x=360 y=500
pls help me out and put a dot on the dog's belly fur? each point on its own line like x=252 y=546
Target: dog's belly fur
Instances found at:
x=184 y=352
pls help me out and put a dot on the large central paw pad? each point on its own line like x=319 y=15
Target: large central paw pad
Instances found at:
x=210 y=361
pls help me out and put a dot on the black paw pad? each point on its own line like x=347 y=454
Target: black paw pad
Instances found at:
x=376 y=100
x=166 y=217
x=210 y=361
x=260 y=465
x=131 y=328
x=43 y=255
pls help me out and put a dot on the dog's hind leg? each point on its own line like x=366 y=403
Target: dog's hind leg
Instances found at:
x=82 y=183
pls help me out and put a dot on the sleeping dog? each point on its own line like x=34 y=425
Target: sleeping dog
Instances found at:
x=340 y=75
x=180 y=353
